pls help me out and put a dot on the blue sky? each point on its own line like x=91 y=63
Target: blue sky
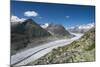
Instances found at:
x=67 y=15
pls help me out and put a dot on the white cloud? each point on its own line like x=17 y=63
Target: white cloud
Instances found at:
x=17 y=19
x=67 y=17
x=30 y=14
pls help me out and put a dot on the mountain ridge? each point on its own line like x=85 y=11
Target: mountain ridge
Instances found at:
x=23 y=32
x=57 y=30
x=81 y=28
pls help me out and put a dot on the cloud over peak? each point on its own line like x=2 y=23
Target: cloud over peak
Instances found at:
x=30 y=13
x=17 y=19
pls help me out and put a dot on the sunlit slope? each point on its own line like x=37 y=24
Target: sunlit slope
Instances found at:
x=78 y=51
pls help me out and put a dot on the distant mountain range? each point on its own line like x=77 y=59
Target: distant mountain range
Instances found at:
x=24 y=32
x=81 y=28
x=82 y=50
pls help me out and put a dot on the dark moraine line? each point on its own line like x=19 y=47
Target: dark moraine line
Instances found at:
x=28 y=56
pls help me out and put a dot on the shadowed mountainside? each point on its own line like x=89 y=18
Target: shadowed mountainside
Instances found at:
x=23 y=33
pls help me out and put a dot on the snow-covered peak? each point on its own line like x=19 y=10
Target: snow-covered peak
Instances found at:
x=87 y=26
x=84 y=26
x=81 y=28
x=45 y=25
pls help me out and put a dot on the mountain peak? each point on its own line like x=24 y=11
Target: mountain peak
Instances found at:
x=28 y=20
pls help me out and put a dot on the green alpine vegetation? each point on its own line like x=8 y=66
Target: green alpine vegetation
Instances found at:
x=81 y=50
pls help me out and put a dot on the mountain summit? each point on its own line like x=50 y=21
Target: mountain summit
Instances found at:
x=58 y=30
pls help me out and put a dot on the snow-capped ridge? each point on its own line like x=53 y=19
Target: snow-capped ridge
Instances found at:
x=80 y=28
x=45 y=25
x=88 y=26
x=84 y=26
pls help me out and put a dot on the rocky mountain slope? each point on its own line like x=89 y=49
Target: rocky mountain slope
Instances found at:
x=30 y=34
x=23 y=32
x=57 y=30
x=82 y=50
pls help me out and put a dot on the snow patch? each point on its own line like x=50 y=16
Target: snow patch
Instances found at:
x=45 y=25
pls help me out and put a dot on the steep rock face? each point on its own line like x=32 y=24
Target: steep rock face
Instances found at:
x=57 y=30
x=81 y=50
x=23 y=32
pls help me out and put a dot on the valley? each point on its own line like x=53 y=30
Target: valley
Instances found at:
x=31 y=42
x=33 y=54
